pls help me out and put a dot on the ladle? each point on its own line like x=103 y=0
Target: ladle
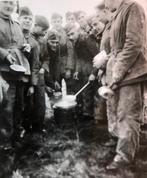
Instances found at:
x=69 y=101
x=82 y=89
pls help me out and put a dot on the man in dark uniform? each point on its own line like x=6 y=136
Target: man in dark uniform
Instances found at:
x=32 y=53
x=65 y=49
x=53 y=44
x=11 y=51
x=53 y=79
x=97 y=29
x=85 y=49
x=82 y=20
x=40 y=29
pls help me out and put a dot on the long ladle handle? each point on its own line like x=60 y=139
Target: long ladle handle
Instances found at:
x=82 y=89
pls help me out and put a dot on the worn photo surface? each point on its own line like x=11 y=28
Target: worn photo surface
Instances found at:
x=73 y=89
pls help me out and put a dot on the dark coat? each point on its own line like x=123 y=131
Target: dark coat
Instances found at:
x=43 y=52
x=128 y=34
x=85 y=49
x=66 y=59
x=60 y=61
x=10 y=35
x=33 y=58
x=11 y=41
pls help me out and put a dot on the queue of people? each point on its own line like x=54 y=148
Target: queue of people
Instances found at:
x=50 y=52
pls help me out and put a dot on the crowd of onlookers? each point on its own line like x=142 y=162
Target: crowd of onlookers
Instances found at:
x=51 y=52
x=48 y=52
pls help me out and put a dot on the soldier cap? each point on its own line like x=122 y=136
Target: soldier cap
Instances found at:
x=42 y=21
x=25 y=11
x=53 y=35
x=56 y=16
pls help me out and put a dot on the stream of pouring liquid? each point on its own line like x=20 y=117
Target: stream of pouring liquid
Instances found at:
x=63 y=88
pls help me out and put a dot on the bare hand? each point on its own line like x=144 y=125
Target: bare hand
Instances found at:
x=113 y=86
x=30 y=91
x=41 y=71
x=27 y=48
x=100 y=60
x=76 y=76
x=10 y=59
x=57 y=86
x=91 y=78
x=68 y=74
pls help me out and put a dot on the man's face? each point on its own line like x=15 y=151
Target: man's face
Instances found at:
x=53 y=44
x=57 y=23
x=7 y=7
x=97 y=26
x=26 y=22
x=112 y=5
x=70 y=19
x=104 y=15
x=82 y=19
x=39 y=31
x=73 y=35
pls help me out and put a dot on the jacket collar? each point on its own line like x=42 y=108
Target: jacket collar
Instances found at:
x=124 y=4
x=27 y=34
x=6 y=17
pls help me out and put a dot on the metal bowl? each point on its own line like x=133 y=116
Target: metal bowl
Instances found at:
x=105 y=92
x=17 y=68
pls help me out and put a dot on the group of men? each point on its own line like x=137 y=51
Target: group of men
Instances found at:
x=51 y=54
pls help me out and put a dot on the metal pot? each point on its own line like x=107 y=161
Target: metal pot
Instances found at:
x=65 y=118
x=67 y=102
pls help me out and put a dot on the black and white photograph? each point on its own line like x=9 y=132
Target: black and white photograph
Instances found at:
x=73 y=88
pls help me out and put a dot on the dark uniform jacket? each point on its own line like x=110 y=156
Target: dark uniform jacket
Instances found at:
x=66 y=60
x=11 y=41
x=127 y=61
x=53 y=66
x=33 y=58
x=43 y=53
x=60 y=61
x=85 y=49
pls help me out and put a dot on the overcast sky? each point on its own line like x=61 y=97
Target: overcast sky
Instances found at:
x=47 y=7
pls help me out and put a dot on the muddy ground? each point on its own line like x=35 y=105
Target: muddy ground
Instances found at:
x=71 y=151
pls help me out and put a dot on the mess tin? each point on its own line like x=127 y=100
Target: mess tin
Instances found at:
x=17 y=68
x=105 y=92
